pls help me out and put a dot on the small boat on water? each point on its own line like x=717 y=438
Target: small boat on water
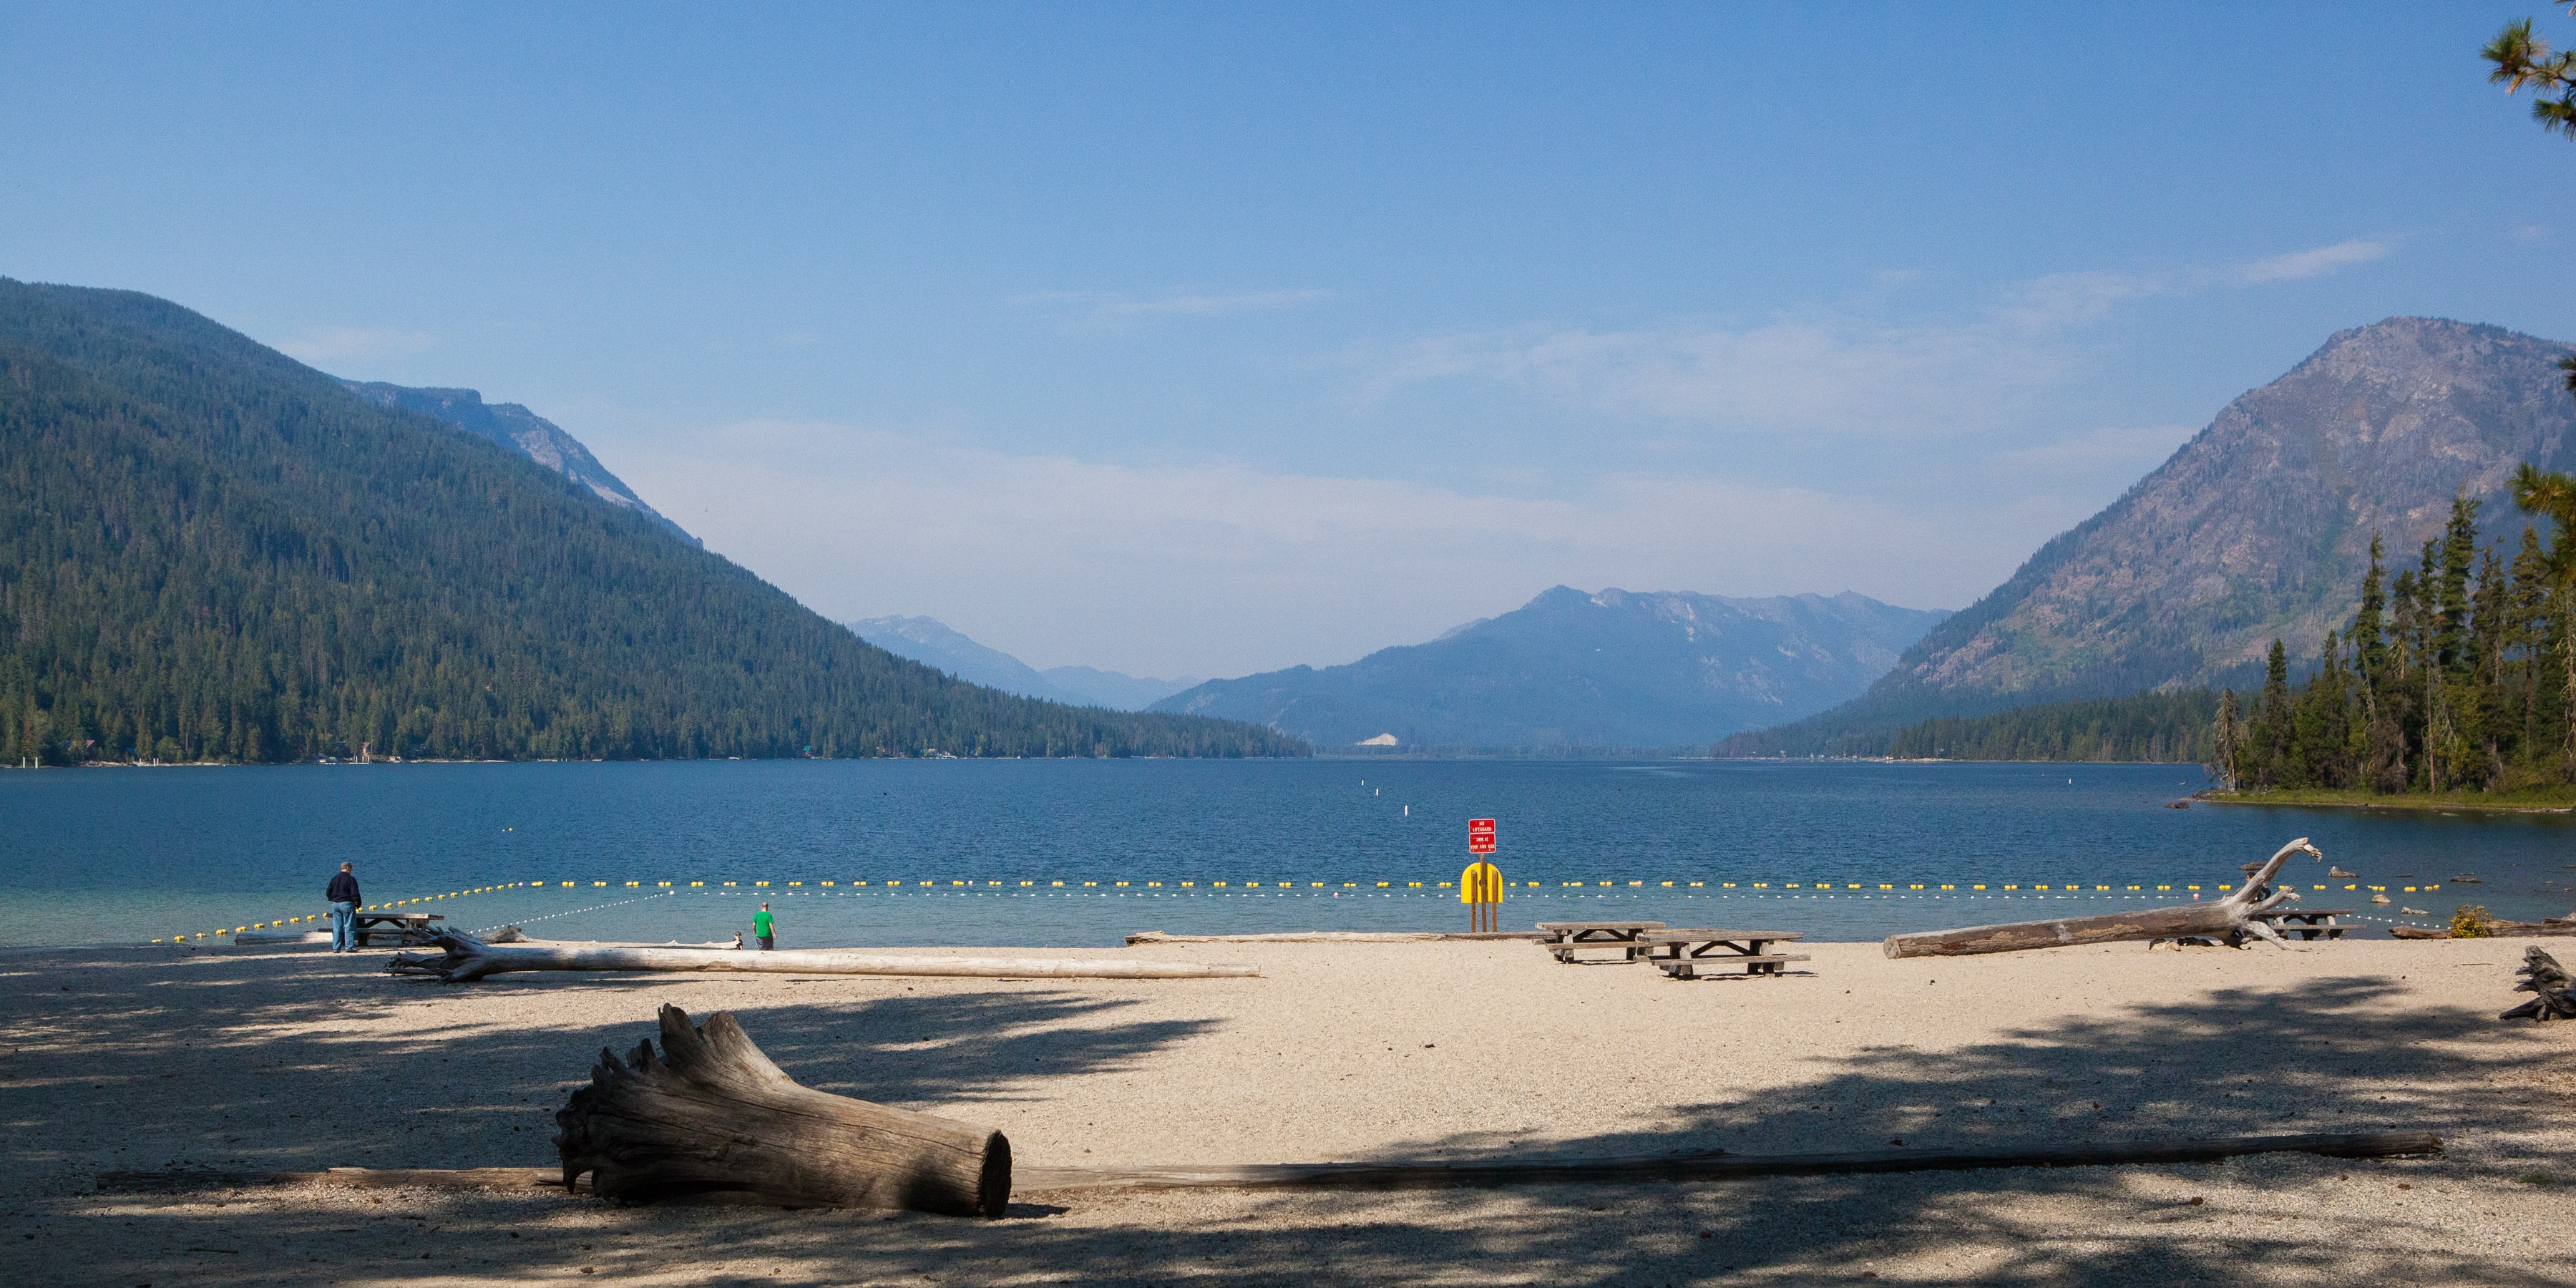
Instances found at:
x=2467 y=879
x=2339 y=874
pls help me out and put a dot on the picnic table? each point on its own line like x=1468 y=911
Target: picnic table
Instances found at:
x=1567 y=936
x=1682 y=954
x=404 y=929
x=2306 y=923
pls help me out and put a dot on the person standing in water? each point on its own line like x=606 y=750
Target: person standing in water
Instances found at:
x=763 y=928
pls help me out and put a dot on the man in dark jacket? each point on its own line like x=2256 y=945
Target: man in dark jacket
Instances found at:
x=343 y=894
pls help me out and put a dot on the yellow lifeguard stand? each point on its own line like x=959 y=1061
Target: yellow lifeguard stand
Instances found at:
x=1480 y=887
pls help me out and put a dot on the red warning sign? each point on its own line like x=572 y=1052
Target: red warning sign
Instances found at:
x=1480 y=836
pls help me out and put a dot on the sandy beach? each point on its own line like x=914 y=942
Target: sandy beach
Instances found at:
x=293 y=1060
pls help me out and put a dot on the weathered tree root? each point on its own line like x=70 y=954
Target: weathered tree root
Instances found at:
x=713 y=1117
x=2230 y=919
x=2548 y=981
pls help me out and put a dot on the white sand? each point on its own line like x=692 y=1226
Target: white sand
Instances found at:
x=291 y=1060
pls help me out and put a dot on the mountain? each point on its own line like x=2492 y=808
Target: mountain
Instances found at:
x=2258 y=528
x=1113 y=689
x=1570 y=670
x=210 y=551
x=522 y=431
x=932 y=642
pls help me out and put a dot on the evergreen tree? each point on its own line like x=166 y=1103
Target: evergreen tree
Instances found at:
x=2269 y=744
x=2229 y=751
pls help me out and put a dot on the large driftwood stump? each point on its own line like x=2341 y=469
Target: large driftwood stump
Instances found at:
x=712 y=1117
x=2548 y=982
x=463 y=959
x=2231 y=918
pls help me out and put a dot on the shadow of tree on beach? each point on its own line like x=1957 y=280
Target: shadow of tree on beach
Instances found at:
x=2333 y=1056
x=378 y=1081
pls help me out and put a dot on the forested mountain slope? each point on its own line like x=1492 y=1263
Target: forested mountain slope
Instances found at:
x=210 y=551
x=2258 y=528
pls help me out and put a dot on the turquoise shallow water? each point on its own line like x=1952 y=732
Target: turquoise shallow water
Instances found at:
x=124 y=855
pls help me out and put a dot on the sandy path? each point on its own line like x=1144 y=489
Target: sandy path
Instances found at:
x=293 y=1060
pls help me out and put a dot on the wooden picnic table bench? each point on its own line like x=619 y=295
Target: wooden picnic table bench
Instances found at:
x=403 y=929
x=1681 y=954
x=2306 y=923
x=1567 y=936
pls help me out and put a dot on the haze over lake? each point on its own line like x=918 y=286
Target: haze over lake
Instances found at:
x=120 y=856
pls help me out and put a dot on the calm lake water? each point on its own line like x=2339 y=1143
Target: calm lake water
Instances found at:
x=121 y=855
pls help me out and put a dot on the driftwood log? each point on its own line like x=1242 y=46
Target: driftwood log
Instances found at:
x=2547 y=981
x=2230 y=919
x=1712 y=1166
x=712 y=1117
x=1335 y=937
x=462 y=959
x=2545 y=928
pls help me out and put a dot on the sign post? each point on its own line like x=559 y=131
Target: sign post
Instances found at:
x=1480 y=887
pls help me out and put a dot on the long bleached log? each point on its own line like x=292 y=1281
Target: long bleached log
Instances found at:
x=1335 y=937
x=463 y=958
x=2230 y=918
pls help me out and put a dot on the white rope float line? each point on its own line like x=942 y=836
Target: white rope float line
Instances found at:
x=575 y=912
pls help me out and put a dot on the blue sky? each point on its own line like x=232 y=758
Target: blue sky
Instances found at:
x=1216 y=338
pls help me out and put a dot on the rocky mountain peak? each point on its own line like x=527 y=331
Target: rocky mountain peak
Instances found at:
x=2257 y=528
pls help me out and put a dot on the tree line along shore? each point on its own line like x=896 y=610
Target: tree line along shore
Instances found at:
x=2455 y=679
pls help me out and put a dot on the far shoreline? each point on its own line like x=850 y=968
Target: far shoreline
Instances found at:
x=2413 y=802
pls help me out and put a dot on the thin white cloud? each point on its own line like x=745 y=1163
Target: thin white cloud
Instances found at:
x=1831 y=375
x=344 y=343
x=1217 y=568
x=2312 y=263
x=1106 y=307
x=1808 y=377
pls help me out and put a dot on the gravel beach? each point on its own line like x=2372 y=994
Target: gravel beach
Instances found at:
x=247 y=1059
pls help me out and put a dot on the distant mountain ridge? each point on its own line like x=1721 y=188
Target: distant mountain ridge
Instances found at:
x=931 y=642
x=2257 y=528
x=522 y=431
x=1615 y=669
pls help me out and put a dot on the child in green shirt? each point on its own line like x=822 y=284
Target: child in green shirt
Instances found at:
x=763 y=928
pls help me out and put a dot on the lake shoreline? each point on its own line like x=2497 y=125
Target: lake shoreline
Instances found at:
x=2412 y=803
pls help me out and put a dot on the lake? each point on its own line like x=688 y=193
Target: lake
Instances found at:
x=1841 y=850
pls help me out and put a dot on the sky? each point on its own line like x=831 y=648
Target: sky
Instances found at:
x=1210 y=339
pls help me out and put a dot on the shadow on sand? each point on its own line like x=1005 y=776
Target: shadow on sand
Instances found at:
x=2338 y=1059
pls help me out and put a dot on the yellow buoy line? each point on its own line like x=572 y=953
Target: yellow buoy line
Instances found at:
x=1559 y=889
x=1522 y=887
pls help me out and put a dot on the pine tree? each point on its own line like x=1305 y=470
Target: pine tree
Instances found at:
x=2272 y=724
x=2227 y=755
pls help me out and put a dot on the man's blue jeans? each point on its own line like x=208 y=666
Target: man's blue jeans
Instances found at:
x=344 y=927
